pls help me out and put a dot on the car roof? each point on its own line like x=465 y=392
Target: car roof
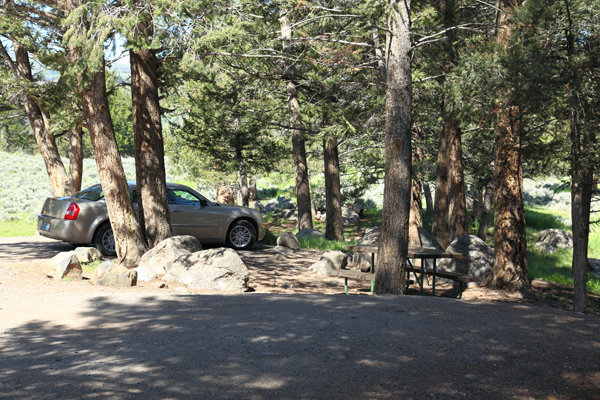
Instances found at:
x=170 y=185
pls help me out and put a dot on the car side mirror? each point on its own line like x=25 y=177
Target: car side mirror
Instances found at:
x=203 y=203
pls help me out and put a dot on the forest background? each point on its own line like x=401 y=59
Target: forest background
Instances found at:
x=456 y=94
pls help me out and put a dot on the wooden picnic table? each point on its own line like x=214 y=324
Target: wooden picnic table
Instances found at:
x=413 y=253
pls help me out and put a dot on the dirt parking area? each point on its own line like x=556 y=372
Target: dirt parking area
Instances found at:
x=295 y=336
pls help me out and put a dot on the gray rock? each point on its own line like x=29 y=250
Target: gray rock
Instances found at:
x=64 y=265
x=310 y=232
x=101 y=270
x=144 y=274
x=330 y=260
x=544 y=247
x=594 y=268
x=280 y=257
x=280 y=203
x=159 y=259
x=258 y=205
x=349 y=217
x=478 y=261
x=213 y=269
x=88 y=254
x=557 y=238
x=284 y=251
x=288 y=239
x=323 y=266
x=127 y=278
x=428 y=241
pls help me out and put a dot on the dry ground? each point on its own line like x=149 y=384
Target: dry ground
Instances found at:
x=296 y=336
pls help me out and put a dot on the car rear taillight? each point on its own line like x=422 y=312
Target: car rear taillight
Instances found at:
x=72 y=212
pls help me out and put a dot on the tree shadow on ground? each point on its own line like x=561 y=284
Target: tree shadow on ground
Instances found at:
x=256 y=346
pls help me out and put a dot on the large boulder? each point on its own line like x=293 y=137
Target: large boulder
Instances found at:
x=111 y=274
x=478 y=261
x=557 y=238
x=288 y=239
x=349 y=217
x=594 y=268
x=159 y=259
x=213 y=269
x=64 y=265
x=280 y=203
x=544 y=247
x=330 y=260
x=311 y=233
x=88 y=254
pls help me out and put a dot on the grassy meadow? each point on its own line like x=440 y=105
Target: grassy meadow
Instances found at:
x=25 y=186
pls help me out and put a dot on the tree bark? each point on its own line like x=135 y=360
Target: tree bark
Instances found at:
x=428 y=198
x=486 y=209
x=76 y=158
x=128 y=237
x=39 y=120
x=582 y=182
x=450 y=215
x=334 y=227
x=450 y=209
x=298 y=145
x=243 y=179
x=510 y=241
x=393 y=250
x=439 y=225
x=153 y=211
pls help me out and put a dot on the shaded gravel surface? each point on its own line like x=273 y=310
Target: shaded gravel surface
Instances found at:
x=72 y=340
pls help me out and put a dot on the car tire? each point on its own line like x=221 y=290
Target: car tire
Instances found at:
x=241 y=235
x=104 y=240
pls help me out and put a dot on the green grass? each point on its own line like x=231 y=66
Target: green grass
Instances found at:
x=18 y=227
x=310 y=242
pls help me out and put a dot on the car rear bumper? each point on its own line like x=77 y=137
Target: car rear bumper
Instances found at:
x=60 y=229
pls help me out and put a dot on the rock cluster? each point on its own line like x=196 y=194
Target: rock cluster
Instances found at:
x=552 y=239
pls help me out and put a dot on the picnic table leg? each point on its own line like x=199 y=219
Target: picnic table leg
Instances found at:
x=419 y=281
x=346 y=285
x=422 y=277
x=434 y=268
x=372 y=271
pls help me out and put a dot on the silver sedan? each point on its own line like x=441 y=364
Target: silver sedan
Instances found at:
x=83 y=219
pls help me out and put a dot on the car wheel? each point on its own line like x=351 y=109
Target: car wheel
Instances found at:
x=241 y=235
x=105 y=241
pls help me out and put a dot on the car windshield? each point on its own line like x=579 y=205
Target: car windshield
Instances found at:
x=93 y=193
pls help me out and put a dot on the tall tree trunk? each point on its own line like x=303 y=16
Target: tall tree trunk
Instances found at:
x=298 y=145
x=76 y=157
x=450 y=215
x=439 y=225
x=127 y=233
x=457 y=207
x=334 y=227
x=416 y=216
x=582 y=182
x=393 y=251
x=510 y=241
x=428 y=198
x=486 y=209
x=39 y=120
x=243 y=179
x=153 y=211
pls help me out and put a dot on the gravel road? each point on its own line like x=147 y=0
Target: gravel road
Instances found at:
x=72 y=340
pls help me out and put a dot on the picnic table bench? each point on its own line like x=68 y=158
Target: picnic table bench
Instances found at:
x=413 y=253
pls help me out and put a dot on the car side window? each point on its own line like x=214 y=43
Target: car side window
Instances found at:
x=133 y=195
x=182 y=197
